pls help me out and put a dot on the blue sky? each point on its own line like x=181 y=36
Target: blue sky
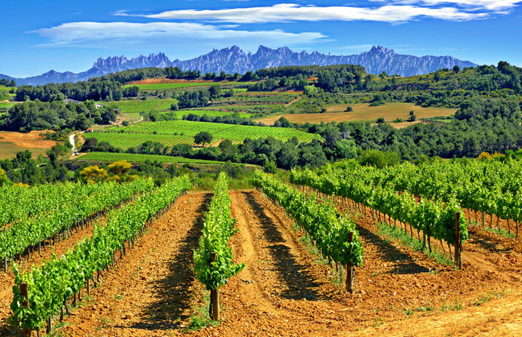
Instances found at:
x=37 y=36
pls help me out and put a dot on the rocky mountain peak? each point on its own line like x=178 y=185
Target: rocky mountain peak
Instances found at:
x=381 y=50
x=234 y=59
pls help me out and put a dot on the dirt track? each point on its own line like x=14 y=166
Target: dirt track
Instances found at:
x=285 y=290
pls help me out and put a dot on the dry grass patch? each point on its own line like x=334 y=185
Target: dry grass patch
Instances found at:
x=13 y=142
x=364 y=112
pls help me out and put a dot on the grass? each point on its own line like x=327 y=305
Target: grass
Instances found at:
x=8 y=150
x=7 y=105
x=201 y=318
x=488 y=297
x=394 y=233
x=3 y=88
x=363 y=112
x=140 y=158
x=170 y=86
x=497 y=231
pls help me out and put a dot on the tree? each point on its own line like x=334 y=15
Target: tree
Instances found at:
x=203 y=137
x=93 y=174
x=89 y=145
x=215 y=91
x=456 y=69
x=348 y=109
x=3 y=178
x=412 y=118
x=346 y=148
x=120 y=171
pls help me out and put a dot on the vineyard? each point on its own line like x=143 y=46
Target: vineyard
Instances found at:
x=136 y=106
x=188 y=84
x=139 y=158
x=182 y=132
x=251 y=98
x=309 y=256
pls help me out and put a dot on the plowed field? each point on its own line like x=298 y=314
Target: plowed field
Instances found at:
x=287 y=290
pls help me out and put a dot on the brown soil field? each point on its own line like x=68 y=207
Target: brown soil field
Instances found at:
x=287 y=290
x=13 y=142
x=363 y=112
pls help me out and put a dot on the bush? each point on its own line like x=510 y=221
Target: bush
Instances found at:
x=349 y=108
x=203 y=138
x=380 y=120
x=379 y=159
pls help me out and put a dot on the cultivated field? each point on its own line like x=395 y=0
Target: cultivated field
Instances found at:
x=126 y=140
x=140 y=158
x=13 y=142
x=285 y=289
x=181 y=85
x=210 y=113
x=363 y=112
x=182 y=132
x=136 y=106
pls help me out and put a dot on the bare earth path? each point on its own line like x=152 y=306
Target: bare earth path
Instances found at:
x=150 y=291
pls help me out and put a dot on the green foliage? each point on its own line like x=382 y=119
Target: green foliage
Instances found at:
x=4 y=180
x=140 y=158
x=327 y=228
x=51 y=285
x=217 y=230
x=435 y=218
x=203 y=137
x=378 y=158
x=38 y=213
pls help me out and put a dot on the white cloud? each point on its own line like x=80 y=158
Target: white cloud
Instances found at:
x=492 y=5
x=294 y=12
x=126 y=33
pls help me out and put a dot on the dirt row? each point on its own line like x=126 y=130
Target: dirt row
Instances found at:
x=287 y=290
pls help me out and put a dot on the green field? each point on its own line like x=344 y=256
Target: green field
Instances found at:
x=219 y=131
x=170 y=86
x=6 y=105
x=210 y=113
x=142 y=106
x=126 y=140
x=2 y=88
x=255 y=98
x=182 y=132
x=140 y=158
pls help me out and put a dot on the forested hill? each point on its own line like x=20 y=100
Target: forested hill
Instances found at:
x=234 y=60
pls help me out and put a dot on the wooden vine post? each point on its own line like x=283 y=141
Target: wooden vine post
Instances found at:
x=214 y=295
x=458 y=243
x=25 y=295
x=350 y=272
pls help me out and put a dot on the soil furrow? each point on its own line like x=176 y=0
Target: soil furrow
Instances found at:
x=152 y=289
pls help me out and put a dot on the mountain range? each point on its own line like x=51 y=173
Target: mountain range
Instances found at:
x=233 y=59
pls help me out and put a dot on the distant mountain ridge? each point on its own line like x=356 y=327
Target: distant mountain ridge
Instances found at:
x=233 y=59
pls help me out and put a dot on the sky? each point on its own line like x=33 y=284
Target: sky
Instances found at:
x=64 y=35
